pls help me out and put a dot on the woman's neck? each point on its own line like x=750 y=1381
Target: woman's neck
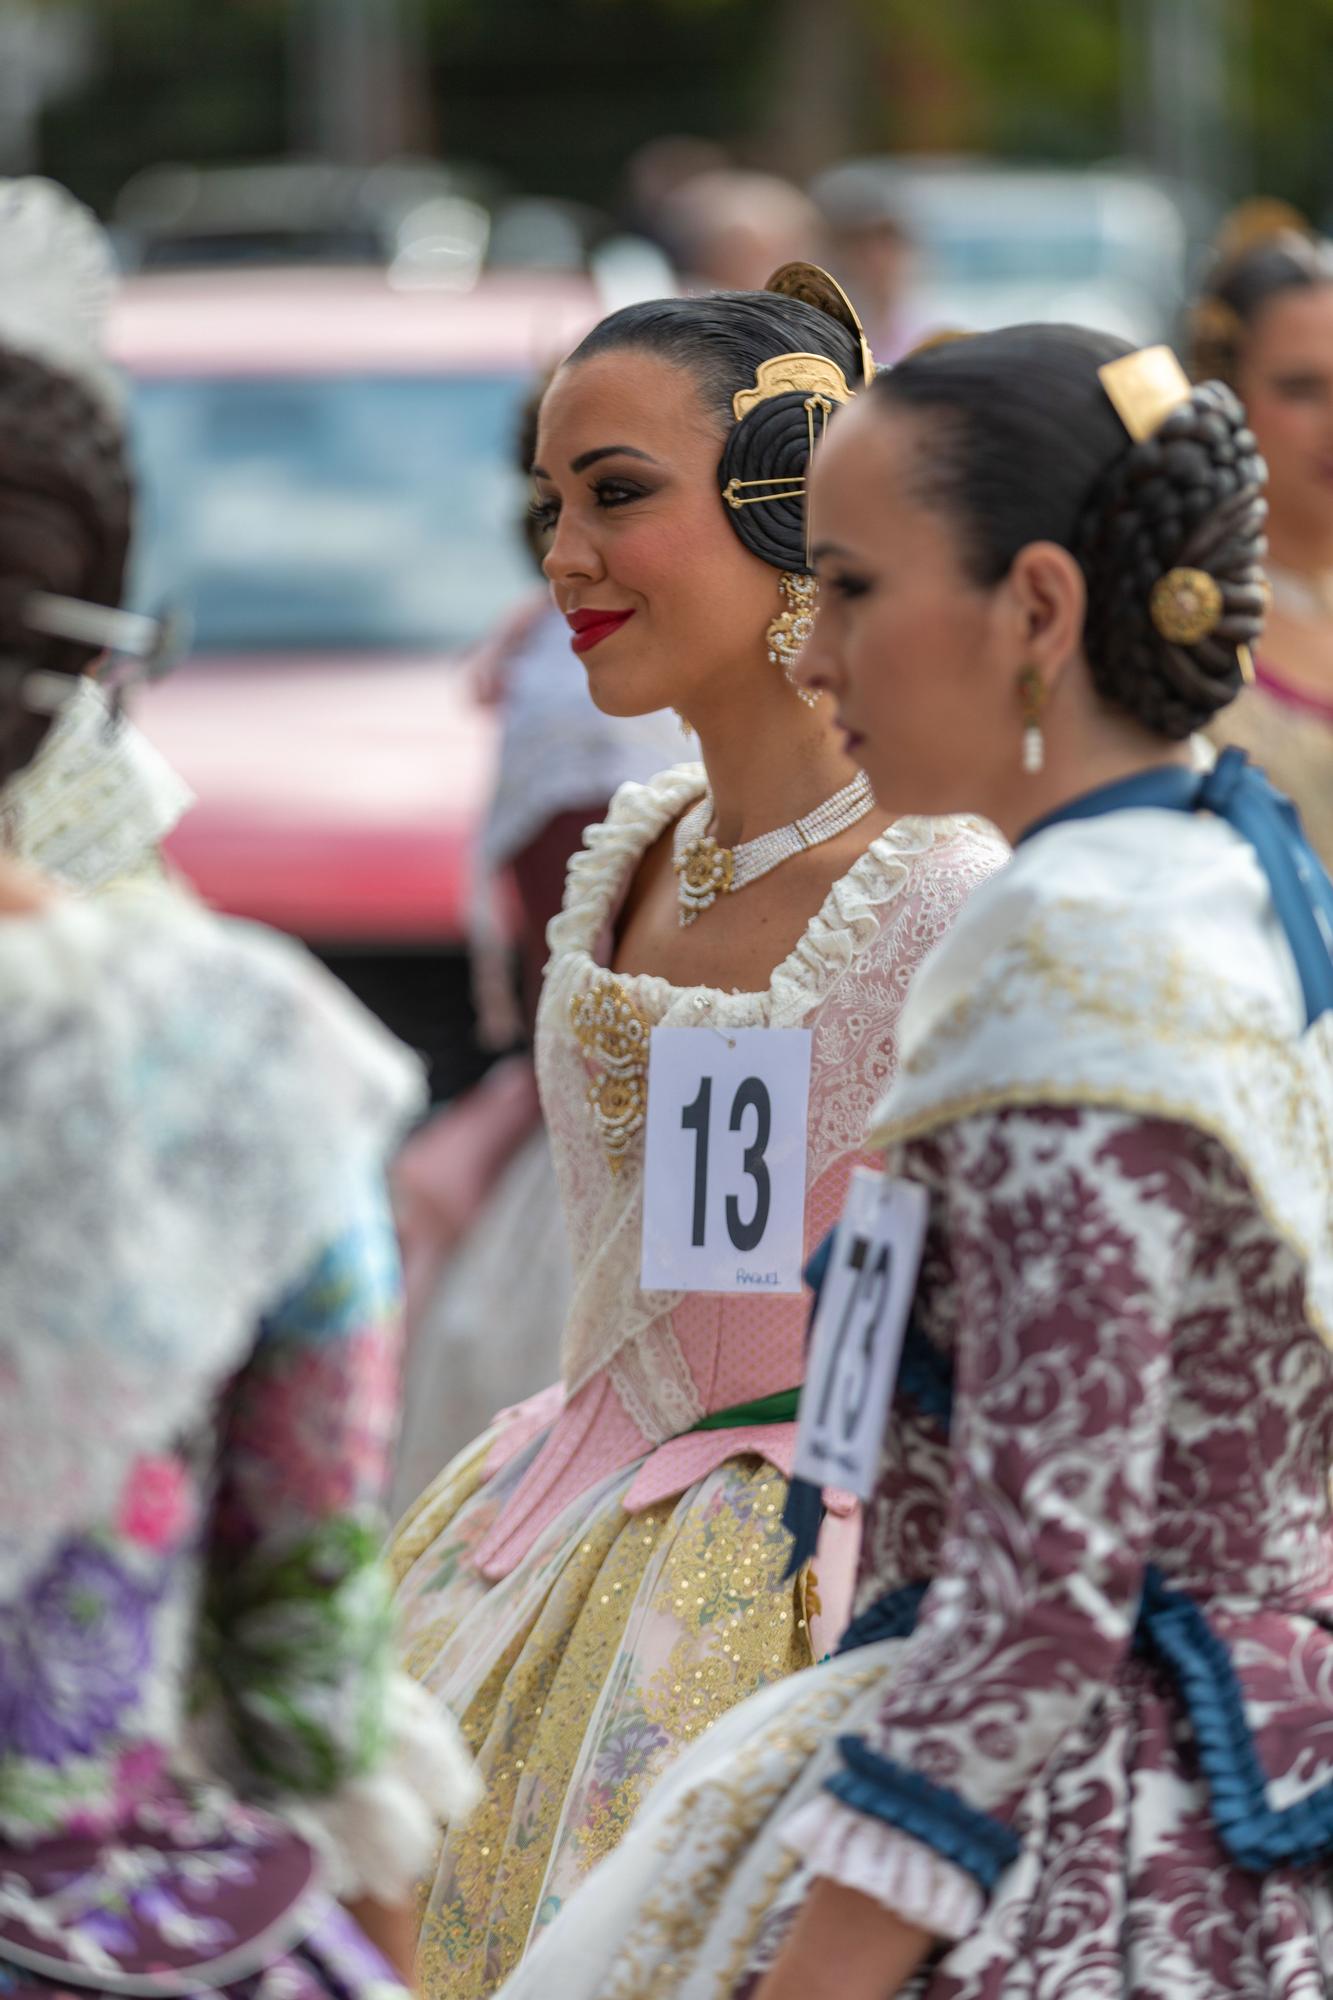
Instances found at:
x=770 y=765
x=1304 y=549
x=1085 y=765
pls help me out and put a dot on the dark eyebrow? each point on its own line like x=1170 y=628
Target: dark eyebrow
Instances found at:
x=822 y=549
x=587 y=458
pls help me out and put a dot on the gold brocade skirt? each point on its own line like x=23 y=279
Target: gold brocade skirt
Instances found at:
x=579 y=1678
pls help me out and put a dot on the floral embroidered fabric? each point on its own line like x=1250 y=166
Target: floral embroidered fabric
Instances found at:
x=198 y=1301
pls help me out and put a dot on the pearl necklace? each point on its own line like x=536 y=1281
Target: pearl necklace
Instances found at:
x=705 y=871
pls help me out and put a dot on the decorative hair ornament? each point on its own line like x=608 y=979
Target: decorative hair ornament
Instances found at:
x=813 y=375
x=1144 y=388
x=136 y=648
x=1186 y=605
x=816 y=287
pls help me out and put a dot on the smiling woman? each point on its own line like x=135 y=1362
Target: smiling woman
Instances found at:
x=602 y=1575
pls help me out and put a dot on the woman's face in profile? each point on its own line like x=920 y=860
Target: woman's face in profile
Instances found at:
x=661 y=596
x=908 y=646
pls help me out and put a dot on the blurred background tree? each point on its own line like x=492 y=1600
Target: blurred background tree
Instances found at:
x=557 y=93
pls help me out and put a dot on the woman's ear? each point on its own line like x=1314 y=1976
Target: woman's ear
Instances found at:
x=1048 y=599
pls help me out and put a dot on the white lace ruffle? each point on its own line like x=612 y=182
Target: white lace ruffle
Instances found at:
x=95 y=800
x=901 y=1874
x=845 y=978
x=849 y=919
x=377 y=1833
x=181 y=1101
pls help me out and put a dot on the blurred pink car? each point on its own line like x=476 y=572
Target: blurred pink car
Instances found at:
x=329 y=489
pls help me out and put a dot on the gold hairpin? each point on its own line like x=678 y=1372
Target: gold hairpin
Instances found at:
x=817 y=403
x=1144 y=389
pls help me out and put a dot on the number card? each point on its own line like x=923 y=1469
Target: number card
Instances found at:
x=858 y=1332
x=725 y=1159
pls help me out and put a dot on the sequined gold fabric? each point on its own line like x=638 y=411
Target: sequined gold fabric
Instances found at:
x=650 y=1628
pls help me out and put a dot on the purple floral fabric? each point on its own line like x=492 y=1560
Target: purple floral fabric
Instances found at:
x=73 y=1653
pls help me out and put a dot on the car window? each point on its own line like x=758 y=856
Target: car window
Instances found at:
x=330 y=511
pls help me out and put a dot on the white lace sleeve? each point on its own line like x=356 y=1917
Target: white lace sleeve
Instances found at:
x=899 y=1873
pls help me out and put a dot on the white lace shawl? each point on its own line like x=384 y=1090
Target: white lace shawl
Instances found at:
x=1134 y=961
x=94 y=802
x=180 y=1099
x=845 y=979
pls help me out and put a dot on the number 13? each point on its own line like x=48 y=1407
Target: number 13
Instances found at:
x=751 y=1095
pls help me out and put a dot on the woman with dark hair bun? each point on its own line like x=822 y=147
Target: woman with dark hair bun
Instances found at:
x=603 y=1573
x=1263 y=322
x=1078 y=1738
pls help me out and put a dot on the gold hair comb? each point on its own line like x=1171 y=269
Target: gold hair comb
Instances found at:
x=1145 y=388
x=811 y=375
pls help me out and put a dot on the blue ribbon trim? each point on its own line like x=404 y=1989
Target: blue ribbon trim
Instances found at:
x=1172 y=1630
x=929 y=1812
x=892 y=1616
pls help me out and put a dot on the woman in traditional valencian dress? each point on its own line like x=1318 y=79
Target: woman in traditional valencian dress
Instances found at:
x=202 y=1738
x=1264 y=323
x=1078 y=1740
x=602 y=1575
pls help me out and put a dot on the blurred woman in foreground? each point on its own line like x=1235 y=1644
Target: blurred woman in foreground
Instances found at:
x=202 y=1741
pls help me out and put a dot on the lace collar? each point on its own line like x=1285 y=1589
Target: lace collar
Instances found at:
x=847 y=921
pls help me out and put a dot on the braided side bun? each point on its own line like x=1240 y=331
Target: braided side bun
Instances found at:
x=1190 y=496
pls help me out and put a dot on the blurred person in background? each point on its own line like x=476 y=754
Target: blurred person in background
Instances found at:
x=1264 y=323
x=725 y=230
x=657 y=170
x=198 y=1308
x=871 y=252
x=603 y=1573
x=482 y=1328
x=93 y=798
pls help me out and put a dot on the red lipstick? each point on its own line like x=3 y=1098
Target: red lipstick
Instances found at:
x=591 y=627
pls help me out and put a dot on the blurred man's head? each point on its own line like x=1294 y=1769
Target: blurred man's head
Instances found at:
x=730 y=230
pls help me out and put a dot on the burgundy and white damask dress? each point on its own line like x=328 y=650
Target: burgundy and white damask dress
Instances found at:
x=1084 y=1730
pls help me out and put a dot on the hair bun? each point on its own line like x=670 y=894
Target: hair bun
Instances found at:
x=1189 y=497
x=1260 y=221
x=762 y=479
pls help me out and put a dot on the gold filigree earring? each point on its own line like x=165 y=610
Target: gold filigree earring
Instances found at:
x=789 y=631
x=1032 y=692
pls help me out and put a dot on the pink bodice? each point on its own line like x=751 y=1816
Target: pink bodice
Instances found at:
x=640 y=1368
